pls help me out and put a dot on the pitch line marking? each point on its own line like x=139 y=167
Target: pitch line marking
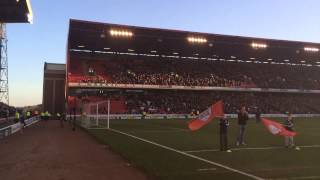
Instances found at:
x=190 y=155
x=253 y=148
x=207 y=169
x=146 y=131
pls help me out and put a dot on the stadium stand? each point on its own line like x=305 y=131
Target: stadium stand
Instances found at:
x=176 y=102
x=160 y=71
x=197 y=73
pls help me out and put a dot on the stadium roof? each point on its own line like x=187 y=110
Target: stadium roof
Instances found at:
x=15 y=11
x=93 y=39
x=54 y=67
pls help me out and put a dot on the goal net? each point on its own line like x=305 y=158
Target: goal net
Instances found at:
x=95 y=114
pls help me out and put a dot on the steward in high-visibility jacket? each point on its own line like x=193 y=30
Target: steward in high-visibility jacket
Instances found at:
x=17 y=117
x=42 y=115
x=28 y=114
x=46 y=115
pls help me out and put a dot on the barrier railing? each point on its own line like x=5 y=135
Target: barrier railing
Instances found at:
x=9 y=130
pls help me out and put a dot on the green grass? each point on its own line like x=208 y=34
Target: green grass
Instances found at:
x=163 y=164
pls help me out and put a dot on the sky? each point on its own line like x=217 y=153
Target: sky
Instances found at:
x=29 y=46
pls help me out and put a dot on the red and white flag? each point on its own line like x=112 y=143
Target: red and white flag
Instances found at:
x=277 y=128
x=205 y=117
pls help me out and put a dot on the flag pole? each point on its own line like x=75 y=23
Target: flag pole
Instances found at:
x=97 y=112
x=108 y=118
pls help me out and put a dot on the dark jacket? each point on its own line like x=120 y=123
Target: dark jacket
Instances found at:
x=258 y=115
x=224 y=123
x=242 y=118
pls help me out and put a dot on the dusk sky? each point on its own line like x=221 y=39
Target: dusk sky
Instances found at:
x=29 y=46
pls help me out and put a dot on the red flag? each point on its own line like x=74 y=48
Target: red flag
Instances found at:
x=277 y=128
x=218 y=109
x=205 y=117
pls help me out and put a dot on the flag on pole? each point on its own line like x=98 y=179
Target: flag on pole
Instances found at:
x=205 y=117
x=277 y=128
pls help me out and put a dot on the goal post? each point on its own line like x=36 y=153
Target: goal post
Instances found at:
x=96 y=114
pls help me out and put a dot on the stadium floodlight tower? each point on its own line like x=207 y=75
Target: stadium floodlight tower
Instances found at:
x=11 y=11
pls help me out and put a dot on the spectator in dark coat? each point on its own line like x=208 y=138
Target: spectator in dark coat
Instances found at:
x=242 y=122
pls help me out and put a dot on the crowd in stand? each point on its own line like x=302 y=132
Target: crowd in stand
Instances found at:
x=181 y=72
x=173 y=78
x=200 y=73
x=185 y=102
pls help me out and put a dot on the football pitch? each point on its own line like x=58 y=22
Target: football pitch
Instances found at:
x=165 y=149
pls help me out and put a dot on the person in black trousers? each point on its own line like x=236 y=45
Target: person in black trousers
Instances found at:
x=258 y=115
x=224 y=123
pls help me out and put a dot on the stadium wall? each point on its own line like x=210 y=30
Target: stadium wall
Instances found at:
x=53 y=99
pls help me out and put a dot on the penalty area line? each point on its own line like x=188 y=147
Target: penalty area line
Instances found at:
x=189 y=155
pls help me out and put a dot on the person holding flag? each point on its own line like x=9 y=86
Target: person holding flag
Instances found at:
x=242 y=122
x=224 y=123
x=285 y=130
x=288 y=125
x=205 y=117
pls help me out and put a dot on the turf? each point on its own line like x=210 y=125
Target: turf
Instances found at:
x=278 y=163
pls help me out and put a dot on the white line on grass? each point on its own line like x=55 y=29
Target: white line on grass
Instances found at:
x=252 y=148
x=147 y=131
x=207 y=169
x=190 y=155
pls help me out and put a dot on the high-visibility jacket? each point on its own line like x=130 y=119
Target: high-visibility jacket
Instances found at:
x=28 y=114
x=17 y=115
x=42 y=114
x=58 y=115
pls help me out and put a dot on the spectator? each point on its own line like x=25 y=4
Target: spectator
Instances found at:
x=288 y=124
x=242 y=122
